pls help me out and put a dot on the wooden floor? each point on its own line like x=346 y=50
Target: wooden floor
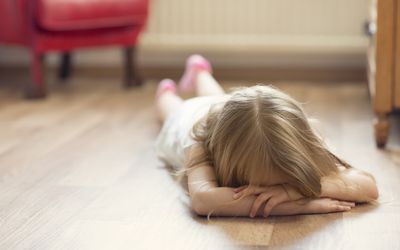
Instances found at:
x=78 y=171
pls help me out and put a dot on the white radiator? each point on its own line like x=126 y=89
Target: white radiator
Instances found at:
x=257 y=25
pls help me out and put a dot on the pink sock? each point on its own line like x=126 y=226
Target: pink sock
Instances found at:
x=194 y=64
x=165 y=85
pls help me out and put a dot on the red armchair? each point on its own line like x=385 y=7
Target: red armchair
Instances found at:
x=65 y=25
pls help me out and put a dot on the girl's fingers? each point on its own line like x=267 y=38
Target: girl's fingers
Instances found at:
x=243 y=191
x=328 y=205
x=248 y=190
x=271 y=203
x=347 y=203
x=341 y=208
x=259 y=190
x=258 y=202
x=238 y=195
x=238 y=189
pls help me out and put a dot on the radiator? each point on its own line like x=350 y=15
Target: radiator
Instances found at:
x=259 y=25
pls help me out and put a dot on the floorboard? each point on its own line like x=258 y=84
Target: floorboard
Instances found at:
x=78 y=171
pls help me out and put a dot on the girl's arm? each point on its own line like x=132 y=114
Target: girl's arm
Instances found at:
x=207 y=197
x=218 y=201
x=351 y=185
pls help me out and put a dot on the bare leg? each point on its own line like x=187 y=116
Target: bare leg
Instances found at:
x=207 y=85
x=167 y=102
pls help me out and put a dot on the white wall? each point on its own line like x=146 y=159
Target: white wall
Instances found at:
x=315 y=33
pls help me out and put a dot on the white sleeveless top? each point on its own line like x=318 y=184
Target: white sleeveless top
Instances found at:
x=175 y=135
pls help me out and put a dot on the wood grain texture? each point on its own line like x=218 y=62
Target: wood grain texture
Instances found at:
x=385 y=56
x=78 y=171
x=397 y=55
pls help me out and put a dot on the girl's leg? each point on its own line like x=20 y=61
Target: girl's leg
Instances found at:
x=166 y=99
x=197 y=76
x=207 y=85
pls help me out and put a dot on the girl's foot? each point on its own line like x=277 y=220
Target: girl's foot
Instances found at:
x=194 y=64
x=165 y=85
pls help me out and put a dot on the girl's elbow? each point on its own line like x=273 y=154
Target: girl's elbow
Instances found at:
x=199 y=209
x=371 y=189
x=199 y=206
x=371 y=192
x=374 y=193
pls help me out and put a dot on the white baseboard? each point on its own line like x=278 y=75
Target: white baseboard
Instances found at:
x=314 y=52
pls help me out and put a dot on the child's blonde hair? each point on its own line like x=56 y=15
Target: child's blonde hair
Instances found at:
x=260 y=129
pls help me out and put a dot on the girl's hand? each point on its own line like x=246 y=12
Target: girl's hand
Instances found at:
x=326 y=205
x=272 y=196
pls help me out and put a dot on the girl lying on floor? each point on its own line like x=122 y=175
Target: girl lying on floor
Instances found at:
x=251 y=152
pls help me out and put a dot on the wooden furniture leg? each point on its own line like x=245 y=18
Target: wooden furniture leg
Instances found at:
x=36 y=88
x=132 y=77
x=65 y=66
x=381 y=126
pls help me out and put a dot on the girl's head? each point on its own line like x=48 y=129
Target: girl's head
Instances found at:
x=260 y=132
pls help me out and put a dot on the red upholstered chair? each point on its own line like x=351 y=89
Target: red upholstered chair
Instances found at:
x=65 y=25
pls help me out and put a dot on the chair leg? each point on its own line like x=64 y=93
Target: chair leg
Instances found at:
x=65 y=66
x=132 y=77
x=36 y=89
x=381 y=127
